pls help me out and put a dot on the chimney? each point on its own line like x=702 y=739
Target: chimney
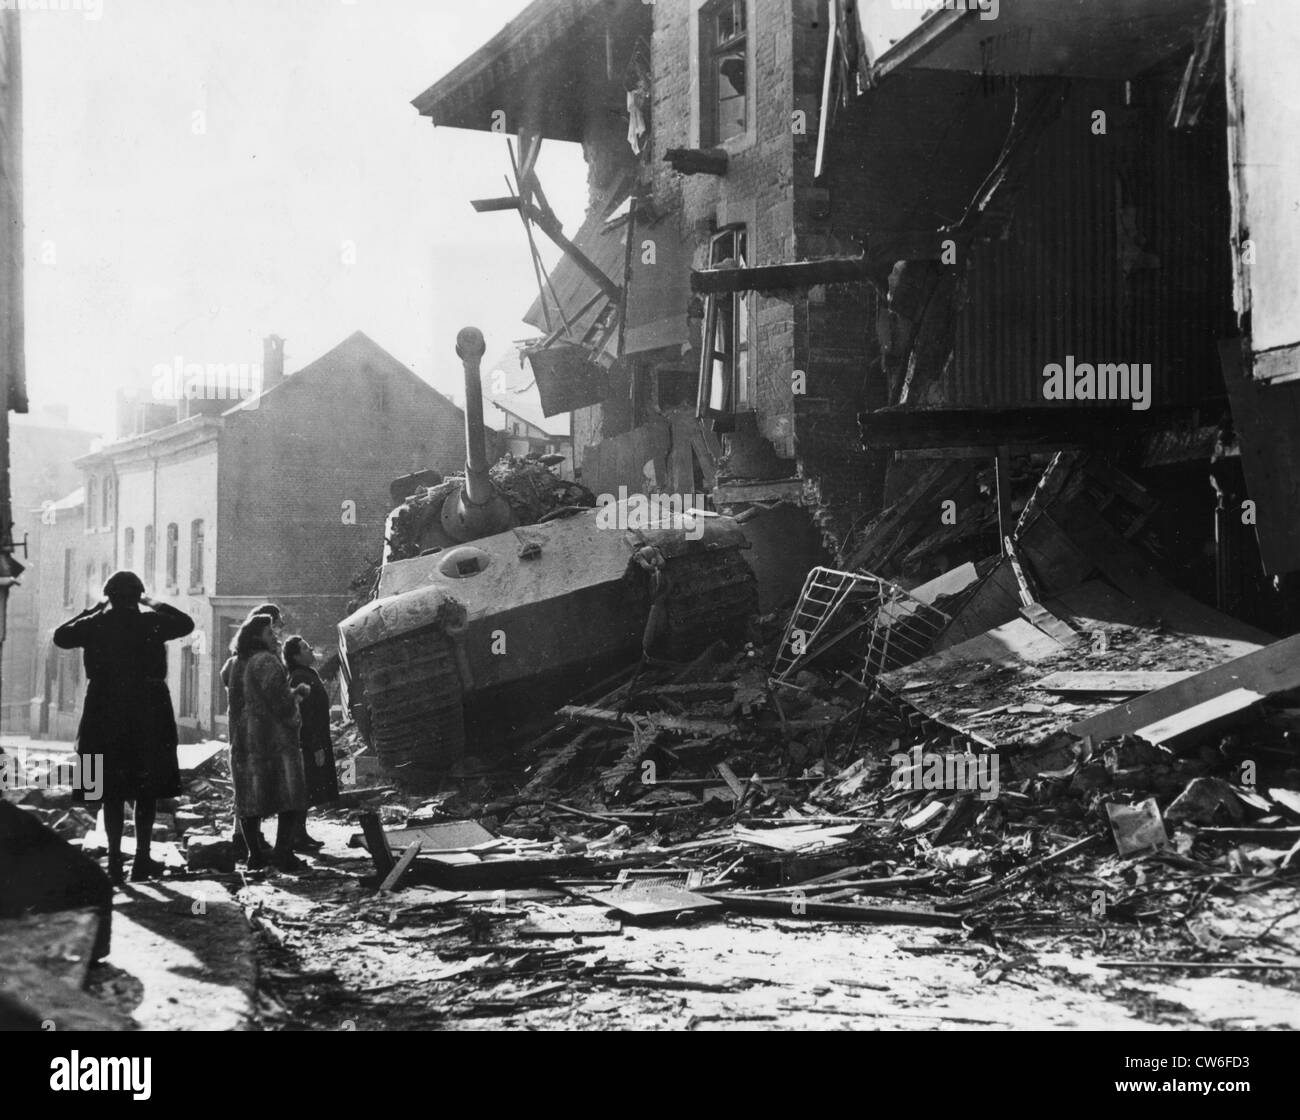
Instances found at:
x=272 y=361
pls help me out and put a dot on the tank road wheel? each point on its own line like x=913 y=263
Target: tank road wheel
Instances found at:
x=417 y=719
x=711 y=595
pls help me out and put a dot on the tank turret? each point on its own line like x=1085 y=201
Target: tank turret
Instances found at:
x=503 y=592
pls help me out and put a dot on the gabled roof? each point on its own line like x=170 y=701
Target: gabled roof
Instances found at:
x=520 y=397
x=356 y=349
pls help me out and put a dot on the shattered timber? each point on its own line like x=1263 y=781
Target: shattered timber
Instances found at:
x=963 y=691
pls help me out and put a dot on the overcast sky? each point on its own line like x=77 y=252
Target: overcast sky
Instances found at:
x=148 y=238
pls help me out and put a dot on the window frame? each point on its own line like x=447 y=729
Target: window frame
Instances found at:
x=172 y=556
x=196 y=555
x=708 y=103
x=729 y=312
x=188 y=706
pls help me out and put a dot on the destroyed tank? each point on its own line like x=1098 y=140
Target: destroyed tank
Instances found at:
x=493 y=619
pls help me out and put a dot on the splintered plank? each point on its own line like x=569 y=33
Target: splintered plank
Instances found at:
x=377 y=843
x=1134 y=681
x=1200 y=719
x=1273 y=669
x=399 y=869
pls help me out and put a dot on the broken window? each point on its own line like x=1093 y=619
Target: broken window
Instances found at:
x=724 y=356
x=724 y=64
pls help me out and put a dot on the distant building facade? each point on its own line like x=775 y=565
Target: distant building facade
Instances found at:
x=282 y=497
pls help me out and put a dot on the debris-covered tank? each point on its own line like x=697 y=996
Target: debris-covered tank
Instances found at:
x=494 y=619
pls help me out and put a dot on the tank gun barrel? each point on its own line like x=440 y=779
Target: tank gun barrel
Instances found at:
x=478 y=510
x=470 y=348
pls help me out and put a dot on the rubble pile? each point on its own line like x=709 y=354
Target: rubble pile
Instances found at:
x=701 y=794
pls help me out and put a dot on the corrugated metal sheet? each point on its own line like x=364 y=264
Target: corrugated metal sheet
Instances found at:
x=1056 y=285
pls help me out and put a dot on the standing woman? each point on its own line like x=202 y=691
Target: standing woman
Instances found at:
x=232 y=722
x=128 y=720
x=265 y=760
x=314 y=736
x=273 y=613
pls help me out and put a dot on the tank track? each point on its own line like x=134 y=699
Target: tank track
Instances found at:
x=413 y=691
x=712 y=595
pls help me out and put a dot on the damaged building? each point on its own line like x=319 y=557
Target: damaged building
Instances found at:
x=699 y=126
x=924 y=250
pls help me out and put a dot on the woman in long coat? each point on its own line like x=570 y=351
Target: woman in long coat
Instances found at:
x=227 y=673
x=128 y=723
x=314 y=735
x=265 y=759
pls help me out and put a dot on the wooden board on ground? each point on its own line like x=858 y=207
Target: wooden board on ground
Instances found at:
x=442 y=836
x=652 y=901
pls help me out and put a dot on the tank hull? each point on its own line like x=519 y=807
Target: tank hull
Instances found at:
x=520 y=615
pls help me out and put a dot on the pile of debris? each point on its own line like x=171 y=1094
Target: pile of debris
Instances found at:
x=1053 y=744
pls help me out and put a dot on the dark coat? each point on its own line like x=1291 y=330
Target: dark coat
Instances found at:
x=265 y=760
x=128 y=717
x=314 y=738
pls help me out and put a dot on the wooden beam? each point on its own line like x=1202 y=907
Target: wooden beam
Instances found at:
x=1273 y=669
x=377 y=842
x=550 y=225
x=778 y=277
x=490 y=205
x=399 y=869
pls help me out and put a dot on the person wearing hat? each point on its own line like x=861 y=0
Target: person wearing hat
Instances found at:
x=128 y=722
